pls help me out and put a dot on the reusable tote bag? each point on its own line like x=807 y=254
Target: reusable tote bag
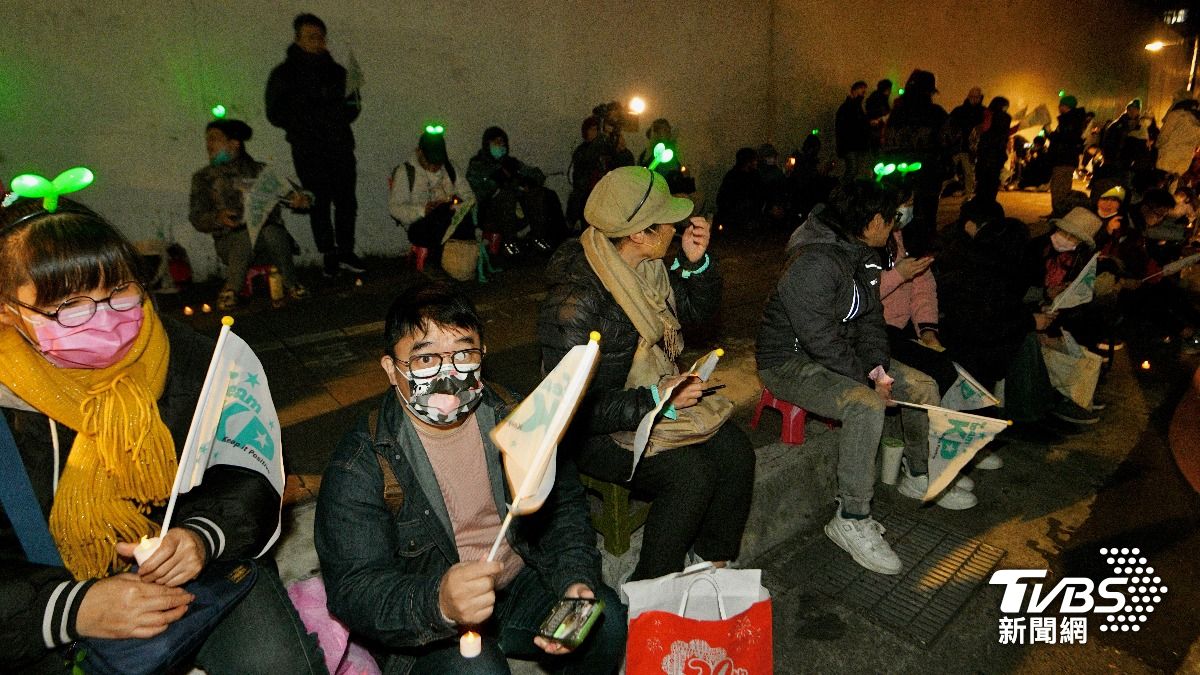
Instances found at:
x=701 y=620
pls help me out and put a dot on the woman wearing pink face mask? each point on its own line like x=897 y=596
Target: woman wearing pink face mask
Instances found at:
x=98 y=392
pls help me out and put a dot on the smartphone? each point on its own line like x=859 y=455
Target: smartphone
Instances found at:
x=570 y=620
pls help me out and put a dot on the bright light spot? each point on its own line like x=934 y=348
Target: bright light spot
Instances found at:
x=188 y=311
x=1156 y=46
x=1062 y=93
x=637 y=105
x=434 y=129
x=901 y=91
x=219 y=111
x=682 y=169
x=816 y=132
x=206 y=308
x=1145 y=365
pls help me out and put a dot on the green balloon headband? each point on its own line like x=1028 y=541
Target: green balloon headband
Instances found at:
x=882 y=169
x=36 y=187
x=661 y=154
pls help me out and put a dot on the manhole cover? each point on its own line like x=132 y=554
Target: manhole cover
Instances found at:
x=942 y=570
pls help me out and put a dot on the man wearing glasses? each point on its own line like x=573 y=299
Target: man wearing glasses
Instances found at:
x=413 y=498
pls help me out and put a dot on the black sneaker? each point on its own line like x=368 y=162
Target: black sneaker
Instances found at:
x=331 y=266
x=1067 y=411
x=351 y=263
x=511 y=249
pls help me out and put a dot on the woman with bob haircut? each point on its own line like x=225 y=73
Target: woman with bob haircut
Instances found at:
x=99 y=392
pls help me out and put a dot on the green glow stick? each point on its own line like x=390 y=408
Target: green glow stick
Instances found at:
x=35 y=187
x=219 y=111
x=434 y=129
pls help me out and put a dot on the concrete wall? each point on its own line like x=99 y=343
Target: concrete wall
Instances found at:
x=1025 y=50
x=125 y=88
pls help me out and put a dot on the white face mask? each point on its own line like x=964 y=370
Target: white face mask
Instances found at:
x=1062 y=243
x=905 y=216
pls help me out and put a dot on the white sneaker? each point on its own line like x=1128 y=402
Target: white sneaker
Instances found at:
x=863 y=540
x=963 y=483
x=952 y=498
x=990 y=462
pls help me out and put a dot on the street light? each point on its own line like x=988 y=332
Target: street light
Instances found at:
x=1158 y=45
x=637 y=105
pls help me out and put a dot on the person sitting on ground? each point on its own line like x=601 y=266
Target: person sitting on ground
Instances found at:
x=425 y=192
x=1054 y=260
x=504 y=186
x=774 y=184
x=699 y=467
x=809 y=183
x=75 y=324
x=1180 y=135
x=409 y=573
x=987 y=327
x=216 y=205
x=910 y=307
x=822 y=346
x=742 y=195
x=1036 y=168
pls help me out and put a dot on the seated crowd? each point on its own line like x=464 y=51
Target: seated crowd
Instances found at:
x=860 y=317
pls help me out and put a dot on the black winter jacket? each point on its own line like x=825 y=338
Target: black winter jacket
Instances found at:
x=306 y=97
x=852 y=131
x=382 y=570
x=825 y=306
x=578 y=303
x=1066 y=141
x=980 y=293
x=241 y=504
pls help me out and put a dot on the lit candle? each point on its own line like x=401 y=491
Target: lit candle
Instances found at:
x=206 y=308
x=146 y=548
x=188 y=311
x=358 y=281
x=469 y=645
x=1145 y=365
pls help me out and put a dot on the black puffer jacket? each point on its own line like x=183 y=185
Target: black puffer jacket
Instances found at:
x=1066 y=141
x=826 y=307
x=234 y=508
x=306 y=97
x=578 y=303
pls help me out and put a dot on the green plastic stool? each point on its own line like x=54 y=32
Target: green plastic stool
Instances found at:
x=617 y=518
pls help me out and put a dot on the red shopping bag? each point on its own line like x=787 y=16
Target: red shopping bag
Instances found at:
x=666 y=643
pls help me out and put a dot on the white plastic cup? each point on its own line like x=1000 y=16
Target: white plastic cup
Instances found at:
x=892 y=450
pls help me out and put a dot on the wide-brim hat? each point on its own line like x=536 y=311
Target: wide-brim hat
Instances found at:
x=1081 y=223
x=631 y=199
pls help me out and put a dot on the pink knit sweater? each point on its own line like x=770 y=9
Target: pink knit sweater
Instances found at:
x=914 y=300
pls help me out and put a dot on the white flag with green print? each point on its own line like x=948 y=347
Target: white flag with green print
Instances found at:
x=235 y=423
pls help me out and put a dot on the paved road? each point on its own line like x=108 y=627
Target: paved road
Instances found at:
x=1051 y=507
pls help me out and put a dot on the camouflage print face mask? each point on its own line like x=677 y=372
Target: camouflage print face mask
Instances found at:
x=443 y=398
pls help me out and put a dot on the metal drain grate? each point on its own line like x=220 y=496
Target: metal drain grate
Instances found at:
x=942 y=571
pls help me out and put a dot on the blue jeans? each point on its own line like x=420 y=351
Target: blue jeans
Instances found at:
x=263 y=634
x=520 y=609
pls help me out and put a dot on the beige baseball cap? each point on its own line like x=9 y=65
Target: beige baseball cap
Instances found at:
x=631 y=199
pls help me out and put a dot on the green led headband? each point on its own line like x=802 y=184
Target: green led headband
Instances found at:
x=882 y=169
x=219 y=111
x=35 y=187
x=434 y=129
x=661 y=154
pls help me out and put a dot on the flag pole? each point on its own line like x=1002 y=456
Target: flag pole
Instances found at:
x=953 y=412
x=189 y=445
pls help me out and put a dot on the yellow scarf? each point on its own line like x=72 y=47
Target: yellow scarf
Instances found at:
x=123 y=460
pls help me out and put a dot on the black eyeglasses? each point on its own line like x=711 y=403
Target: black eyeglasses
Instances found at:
x=80 y=309
x=425 y=366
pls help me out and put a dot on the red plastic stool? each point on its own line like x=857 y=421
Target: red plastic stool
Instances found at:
x=794 y=417
x=263 y=271
x=493 y=240
x=419 y=254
